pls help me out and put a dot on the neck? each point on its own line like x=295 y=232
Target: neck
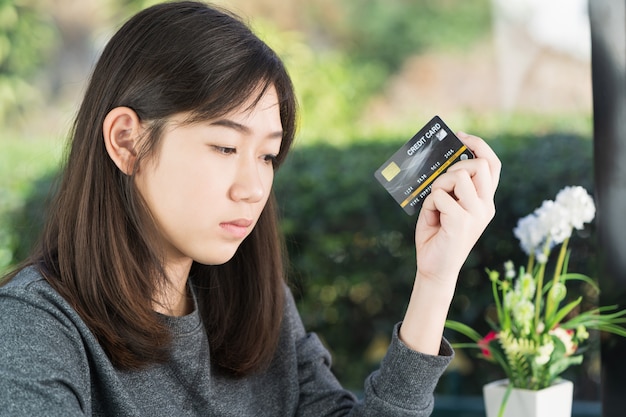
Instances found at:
x=174 y=298
x=175 y=303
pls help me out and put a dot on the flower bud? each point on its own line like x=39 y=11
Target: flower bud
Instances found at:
x=558 y=292
x=581 y=333
x=493 y=275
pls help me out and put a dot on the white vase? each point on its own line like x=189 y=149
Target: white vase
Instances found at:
x=554 y=401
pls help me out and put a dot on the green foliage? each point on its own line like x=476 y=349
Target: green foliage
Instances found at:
x=335 y=76
x=26 y=38
x=332 y=89
x=389 y=31
x=350 y=248
x=24 y=185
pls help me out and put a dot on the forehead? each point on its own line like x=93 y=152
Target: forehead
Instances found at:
x=259 y=114
x=263 y=99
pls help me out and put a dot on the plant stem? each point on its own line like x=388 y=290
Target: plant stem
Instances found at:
x=539 y=294
x=559 y=263
x=531 y=263
x=501 y=316
x=509 y=388
x=550 y=304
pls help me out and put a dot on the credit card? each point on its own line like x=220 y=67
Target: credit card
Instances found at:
x=409 y=173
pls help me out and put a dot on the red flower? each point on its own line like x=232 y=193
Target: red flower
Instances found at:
x=484 y=344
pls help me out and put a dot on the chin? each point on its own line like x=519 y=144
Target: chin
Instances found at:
x=215 y=259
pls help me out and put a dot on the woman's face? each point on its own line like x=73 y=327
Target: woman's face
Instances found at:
x=209 y=181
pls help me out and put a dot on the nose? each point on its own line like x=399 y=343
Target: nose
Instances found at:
x=248 y=184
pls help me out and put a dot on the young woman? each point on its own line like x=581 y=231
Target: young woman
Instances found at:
x=157 y=288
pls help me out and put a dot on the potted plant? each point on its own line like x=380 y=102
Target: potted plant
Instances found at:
x=538 y=332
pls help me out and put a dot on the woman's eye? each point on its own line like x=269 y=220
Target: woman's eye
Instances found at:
x=270 y=158
x=225 y=150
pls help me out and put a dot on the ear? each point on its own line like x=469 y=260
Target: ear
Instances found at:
x=121 y=130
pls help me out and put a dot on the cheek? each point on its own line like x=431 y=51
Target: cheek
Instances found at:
x=190 y=191
x=268 y=182
x=168 y=186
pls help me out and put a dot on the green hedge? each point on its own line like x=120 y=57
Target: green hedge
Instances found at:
x=352 y=252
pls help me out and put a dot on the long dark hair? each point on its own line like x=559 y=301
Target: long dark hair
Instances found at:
x=96 y=248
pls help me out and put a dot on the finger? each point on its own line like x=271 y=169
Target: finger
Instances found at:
x=480 y=173
x=445 y=188
x=429 y=214
x=438 y=203
x=460 y=184
x=482 y=150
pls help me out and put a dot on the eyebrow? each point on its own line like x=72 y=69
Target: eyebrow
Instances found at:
x=243 y=128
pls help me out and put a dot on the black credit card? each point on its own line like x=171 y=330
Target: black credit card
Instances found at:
x=409 y=173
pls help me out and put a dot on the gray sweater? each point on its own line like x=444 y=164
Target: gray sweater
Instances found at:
x=52 y=365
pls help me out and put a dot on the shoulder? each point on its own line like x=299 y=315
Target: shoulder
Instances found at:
x=31 y=295
x=35 y=316
x=43 y=346
x=24 y=279
x=27 y=287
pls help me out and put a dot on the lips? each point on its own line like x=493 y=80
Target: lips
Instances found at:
x=238 y=228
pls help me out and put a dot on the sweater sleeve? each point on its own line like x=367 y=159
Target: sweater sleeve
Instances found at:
x=403 y=386
x=405 y=383
x=42 y=370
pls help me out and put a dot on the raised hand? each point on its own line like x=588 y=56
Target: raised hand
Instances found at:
x=452 y=219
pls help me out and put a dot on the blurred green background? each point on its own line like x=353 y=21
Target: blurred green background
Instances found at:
x=369 y=74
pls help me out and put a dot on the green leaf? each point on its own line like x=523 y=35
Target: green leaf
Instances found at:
x=562 y=313
x=559 y=366
x=465 y=345
x=463 y=329
x=579 y=277
x=594 y=319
